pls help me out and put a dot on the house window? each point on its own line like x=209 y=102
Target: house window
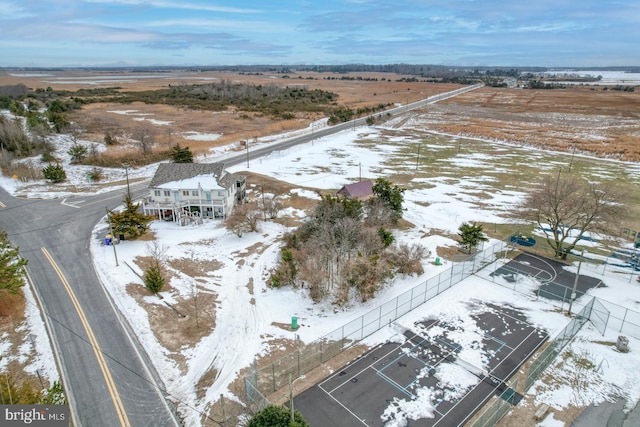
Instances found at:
x=167 y=193
x=185 y=193
x=194 y=192
x=220 y=193
x=157 y=193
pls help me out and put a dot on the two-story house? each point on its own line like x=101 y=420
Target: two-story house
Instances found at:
x=181 y=190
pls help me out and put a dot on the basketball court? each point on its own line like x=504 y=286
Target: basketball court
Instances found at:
x=555 y=281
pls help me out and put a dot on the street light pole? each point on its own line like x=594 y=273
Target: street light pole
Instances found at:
x=575 y=283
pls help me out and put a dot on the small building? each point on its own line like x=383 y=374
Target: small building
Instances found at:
x=184 y=191
x=361 y=190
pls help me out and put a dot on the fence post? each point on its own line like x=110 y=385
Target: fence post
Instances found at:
x=451 y=280
x=426 y=290
x=606 y=323
x=623 y=319
x=396 y=315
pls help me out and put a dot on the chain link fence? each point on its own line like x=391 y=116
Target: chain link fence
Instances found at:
x=600 y=313
x=494 y=412
x=603 y=315
x=263 y=380
x=501 y=407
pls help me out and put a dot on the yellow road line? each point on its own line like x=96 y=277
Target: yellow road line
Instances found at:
x=122 y=415
x=2 y=205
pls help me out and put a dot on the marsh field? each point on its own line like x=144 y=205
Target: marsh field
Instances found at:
x=472 y=157
x=500 y=137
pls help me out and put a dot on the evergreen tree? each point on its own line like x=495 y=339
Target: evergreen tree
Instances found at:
x=181 y=154
x=130 y=222
x=153 y=278
x=391 y=195
x=386 y=236
x=77 y=153
x=54 y=173
x=11 y=265
x=471 y=235
x=55 y=395
x=277 y=416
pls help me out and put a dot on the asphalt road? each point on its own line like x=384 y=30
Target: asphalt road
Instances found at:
x=258 y=152
x=108 y=378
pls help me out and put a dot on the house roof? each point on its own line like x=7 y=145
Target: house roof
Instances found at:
x=357 y=190
x=192 y=175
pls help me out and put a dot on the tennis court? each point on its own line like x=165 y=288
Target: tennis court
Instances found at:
x=427 y=369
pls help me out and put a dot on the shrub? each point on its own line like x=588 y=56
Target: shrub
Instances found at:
x=54 y=173
x=406 y=259
x=95 y=174
x=277 y=416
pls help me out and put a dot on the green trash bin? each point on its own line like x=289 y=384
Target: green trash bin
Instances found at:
x=294 y=322
x=438 y=261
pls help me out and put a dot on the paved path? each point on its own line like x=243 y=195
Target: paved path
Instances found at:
x=608 y=414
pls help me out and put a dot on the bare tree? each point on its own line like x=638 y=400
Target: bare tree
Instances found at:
x=244 y=218
x=169 y=134
x=145 y=135
x=272 y=206
x=157 y=252
x=566 y=208
x=378 y=213
x=74 y=131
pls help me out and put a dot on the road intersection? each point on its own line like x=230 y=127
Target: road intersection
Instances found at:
x=109 y=380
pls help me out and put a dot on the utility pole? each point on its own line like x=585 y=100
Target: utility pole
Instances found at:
x=573 y=153
x=113 y=236
x=247 y=144
x=575 y=283
x=264 y=207
x=291 y=396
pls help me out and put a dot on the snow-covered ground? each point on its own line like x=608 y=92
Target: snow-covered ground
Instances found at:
x=247 y=312
x=608 y=77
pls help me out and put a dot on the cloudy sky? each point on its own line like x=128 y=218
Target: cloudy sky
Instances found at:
x=223 y=32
